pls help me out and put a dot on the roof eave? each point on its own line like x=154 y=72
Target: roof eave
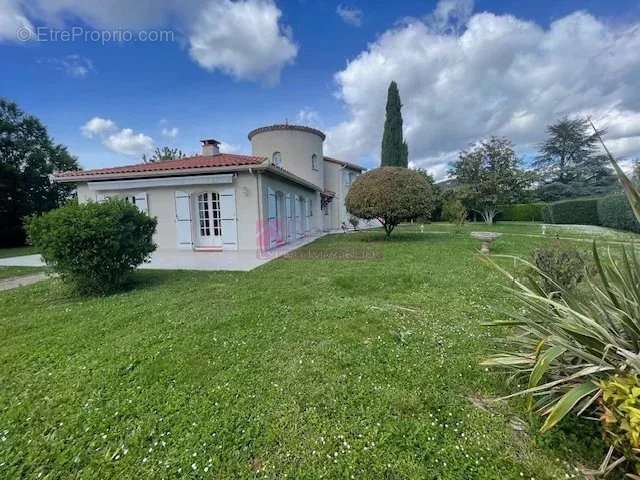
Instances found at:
x=159 y=173
x=349 y=165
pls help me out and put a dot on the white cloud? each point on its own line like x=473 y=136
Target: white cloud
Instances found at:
x=124 y=141
x=14 y=25
x=73 y=65
x=229 y=147
x=308 y=117
x=108 y=14
x=98 y=126
x=242 y=38
x=350 y=15
x=128 y=142
x=170 y=132
x=450 y=15
x=499 y=76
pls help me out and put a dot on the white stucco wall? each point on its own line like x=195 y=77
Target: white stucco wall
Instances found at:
x=332 y=176
x=335 y=178
x=296 y=149
x=161 y=204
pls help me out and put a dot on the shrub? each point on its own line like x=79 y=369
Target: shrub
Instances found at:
x=580 y=354
x=94 y=246
x=614 y=211
x=453 y=211
x=354 y=221
x=564 y=348
x=390 y=195
x=561 y=268
x=580 y=211
x=521 y=212
x=621 y=416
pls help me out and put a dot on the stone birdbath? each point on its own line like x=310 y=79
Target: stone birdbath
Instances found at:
x=487 y=238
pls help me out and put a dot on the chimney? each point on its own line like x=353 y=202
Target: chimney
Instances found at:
x=210 y=147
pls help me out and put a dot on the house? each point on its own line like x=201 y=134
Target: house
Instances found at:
x=284 y=191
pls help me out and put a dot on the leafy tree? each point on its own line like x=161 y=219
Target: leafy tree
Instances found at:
x=162 y=154
x=395 y=151
x=489 y=175
x=570 y=164
x=28 y=156
x=390 y=195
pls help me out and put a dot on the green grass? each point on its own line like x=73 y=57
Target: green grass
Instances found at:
x=8 y=272
x=17 y=251
x=316 y=366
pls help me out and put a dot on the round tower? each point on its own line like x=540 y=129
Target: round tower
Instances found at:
x=295 y=148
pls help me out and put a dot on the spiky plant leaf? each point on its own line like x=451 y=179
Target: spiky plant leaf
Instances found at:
x=543 y=363
x=569 y=400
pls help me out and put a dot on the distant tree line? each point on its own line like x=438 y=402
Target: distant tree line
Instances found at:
x=489 y=174
x=568 y=165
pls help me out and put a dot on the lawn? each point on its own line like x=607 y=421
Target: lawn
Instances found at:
x=357 y=358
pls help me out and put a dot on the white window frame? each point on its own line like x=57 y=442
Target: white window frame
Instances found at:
x=276 y=159
x=208 y=218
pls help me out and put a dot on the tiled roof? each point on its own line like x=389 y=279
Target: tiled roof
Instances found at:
x=187 y=163
x=286 y=126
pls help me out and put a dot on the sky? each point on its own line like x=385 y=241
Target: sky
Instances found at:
x=113 y=79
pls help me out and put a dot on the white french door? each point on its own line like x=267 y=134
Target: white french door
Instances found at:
x=209 y=224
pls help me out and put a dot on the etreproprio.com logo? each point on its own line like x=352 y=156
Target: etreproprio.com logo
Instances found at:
x=81 y=34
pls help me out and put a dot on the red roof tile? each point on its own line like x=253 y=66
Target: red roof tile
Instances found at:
x=187 y=163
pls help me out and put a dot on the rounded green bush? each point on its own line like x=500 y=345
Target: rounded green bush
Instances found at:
x=390 y=195
x=94 y=246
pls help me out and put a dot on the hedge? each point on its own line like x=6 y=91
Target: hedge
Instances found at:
x=521 y=212
x=615 y=212
x=579 y=211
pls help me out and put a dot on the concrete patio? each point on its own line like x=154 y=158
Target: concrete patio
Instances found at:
x=242 y=260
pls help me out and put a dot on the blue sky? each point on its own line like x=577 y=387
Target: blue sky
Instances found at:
x=326 y=64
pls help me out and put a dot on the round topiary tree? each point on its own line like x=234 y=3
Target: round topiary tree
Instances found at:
x=390 y=195
x=94 y=246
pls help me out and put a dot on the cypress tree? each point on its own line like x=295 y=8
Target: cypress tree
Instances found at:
x=395 y=151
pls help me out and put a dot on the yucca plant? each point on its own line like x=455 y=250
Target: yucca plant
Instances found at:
x=568 y=347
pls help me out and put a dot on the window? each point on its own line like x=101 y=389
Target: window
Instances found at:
x=209 y=214
x=276 y=159
x=311 y=208
x=131 y=199
x=314 y=161
x=203 y=214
